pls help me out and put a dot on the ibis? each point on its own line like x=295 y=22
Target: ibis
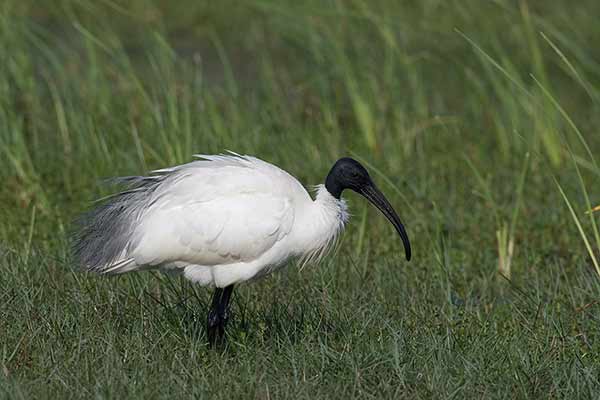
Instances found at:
x=219 y=221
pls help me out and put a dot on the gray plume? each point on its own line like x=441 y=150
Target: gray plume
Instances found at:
x=103 y=235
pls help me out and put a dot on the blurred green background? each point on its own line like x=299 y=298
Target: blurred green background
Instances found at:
x=477 y=119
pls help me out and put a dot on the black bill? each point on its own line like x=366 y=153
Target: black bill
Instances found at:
x=377 y=198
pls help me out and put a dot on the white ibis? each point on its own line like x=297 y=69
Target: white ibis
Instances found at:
x=220 y=221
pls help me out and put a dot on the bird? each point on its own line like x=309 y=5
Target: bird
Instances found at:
x=221 y=220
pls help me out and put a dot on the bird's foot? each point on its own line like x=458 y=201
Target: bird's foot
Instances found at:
x=219 y=315
x=216 y=327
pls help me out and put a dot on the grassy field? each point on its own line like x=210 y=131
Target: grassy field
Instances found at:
x=477 y=119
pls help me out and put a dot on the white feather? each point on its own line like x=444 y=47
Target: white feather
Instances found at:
x=228 y=219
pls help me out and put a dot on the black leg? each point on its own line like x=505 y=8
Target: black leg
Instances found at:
x=213 y=315
x=219 y=314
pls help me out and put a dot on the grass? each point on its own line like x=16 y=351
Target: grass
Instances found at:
x=468 y=114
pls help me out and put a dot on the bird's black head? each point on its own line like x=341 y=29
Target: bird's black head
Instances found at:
x=348 y=173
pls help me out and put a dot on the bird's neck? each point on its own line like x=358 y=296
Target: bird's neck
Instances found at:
x=322 y=222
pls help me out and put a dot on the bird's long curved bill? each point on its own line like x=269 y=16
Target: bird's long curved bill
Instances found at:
x=377 y=198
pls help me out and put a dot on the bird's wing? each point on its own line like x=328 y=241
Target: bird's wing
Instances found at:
x=230 y=229
x=214 y=214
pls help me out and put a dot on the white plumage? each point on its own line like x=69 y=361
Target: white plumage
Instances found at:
x=224 y=220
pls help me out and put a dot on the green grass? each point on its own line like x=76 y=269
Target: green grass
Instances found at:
x=467 y=113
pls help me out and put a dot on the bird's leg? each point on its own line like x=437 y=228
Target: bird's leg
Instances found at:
x=213 y=315
x=219 y=314
x=224 y=306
